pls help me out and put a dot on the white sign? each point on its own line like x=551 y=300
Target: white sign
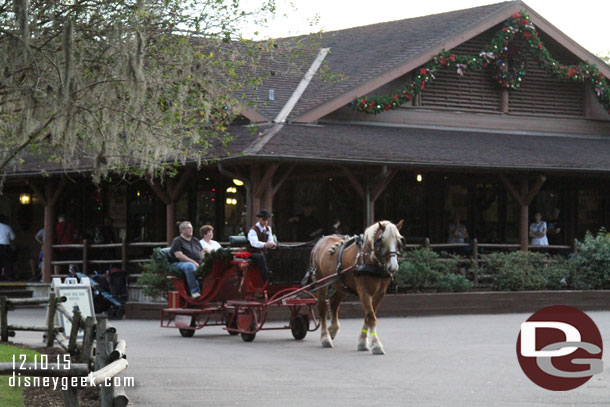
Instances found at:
x=77 y=295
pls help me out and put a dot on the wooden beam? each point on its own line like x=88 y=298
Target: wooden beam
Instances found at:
x=266 y=180
x=38 y=191
x=177 y=191
x=381 y=185
x=350 y=177
x=161 y=193
x=58 y=191
x=283 y=179
x=540 y=179
x=510 y=187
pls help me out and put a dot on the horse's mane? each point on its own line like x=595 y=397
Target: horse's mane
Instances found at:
x=391 y=231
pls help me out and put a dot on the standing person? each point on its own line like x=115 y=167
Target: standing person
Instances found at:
x=554 y=232
x=7 y=236
x=260 y=238
x=65 y=233
x=208 y=245
x=538 y=231
x=308 y=227
x=457 y=231
x=186 y=255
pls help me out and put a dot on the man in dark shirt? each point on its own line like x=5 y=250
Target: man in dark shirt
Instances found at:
x=186 y=254
x=308 y=227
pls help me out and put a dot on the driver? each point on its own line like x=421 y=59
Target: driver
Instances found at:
x=260 y=238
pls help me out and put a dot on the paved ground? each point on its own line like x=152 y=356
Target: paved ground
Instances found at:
x=465 y=360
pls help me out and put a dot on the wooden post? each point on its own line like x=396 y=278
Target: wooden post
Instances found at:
x=504 y=101
x=70 y=397
x=51 y=320
x=88 y=339
x=524 y=217
x=475 y=261
x=47 y=243
x=85 y=256
x=575 y=245
x=105 y=340
x=170 y=222
x=3 y=320
x=427 y=243
x=524 y=197
x=49 y=197
x=76 y=321
x=124 y=255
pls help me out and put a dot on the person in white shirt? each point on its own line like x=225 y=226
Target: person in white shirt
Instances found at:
x=6 y=238
x=260 y=238
x=208 y=245
x=538 y=231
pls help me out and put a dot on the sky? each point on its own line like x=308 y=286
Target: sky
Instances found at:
x=584 y=21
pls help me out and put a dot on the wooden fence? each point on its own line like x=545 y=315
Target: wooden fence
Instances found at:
x=109 y=361
x=290 y=266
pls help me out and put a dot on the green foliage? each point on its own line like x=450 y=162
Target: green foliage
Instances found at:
x=111 y=84
x=591 y=262
x=12 y=396
x=423 y=269
x=519 y=271
x=210 y=259
x=154 y=274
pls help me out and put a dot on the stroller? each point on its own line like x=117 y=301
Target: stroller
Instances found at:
x=109 y=292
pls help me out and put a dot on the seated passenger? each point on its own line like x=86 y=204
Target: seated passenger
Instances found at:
x=208 y=245
x=186 y=255
x=260 y=238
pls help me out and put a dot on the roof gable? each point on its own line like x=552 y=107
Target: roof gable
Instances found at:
x=372 y=56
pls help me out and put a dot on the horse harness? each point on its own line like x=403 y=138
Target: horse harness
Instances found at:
x=361 y=267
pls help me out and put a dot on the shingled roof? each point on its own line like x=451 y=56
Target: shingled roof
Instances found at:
x=434 y=147
x=372 y=55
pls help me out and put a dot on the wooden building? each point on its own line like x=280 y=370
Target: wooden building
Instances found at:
x=402 y=128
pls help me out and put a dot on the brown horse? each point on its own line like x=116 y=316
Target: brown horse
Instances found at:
x=374 y=258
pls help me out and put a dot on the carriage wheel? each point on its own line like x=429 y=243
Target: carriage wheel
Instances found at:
x=300 y=326
x=249 y=337
x=187 y=333
x=232 y=325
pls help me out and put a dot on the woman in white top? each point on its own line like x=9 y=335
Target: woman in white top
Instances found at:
x=208 y=245
x=538 y=231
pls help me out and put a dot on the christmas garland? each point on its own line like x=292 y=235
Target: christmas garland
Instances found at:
x=208 y=262
x=503 y=54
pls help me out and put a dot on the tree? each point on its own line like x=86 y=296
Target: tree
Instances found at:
x=119 y=85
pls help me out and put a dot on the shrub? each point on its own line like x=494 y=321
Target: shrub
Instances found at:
x=517 y=271
x=154 y=273
x=591 y=262
x=423 y=268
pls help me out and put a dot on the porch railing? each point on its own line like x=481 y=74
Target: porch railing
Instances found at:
x=85 y=260
x=471 y=255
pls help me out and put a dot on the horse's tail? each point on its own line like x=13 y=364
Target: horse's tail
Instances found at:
x=310 y=275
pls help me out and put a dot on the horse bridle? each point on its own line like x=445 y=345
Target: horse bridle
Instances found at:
x=382 y=260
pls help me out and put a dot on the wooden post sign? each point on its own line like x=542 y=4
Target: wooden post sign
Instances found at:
x=78 y=294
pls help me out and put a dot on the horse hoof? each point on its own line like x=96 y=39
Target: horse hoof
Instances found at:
x=333 y=332
x=327 y=342
x=363 y=347
x=378 y=350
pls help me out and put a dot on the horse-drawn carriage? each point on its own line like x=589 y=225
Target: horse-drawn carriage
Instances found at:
x=234 y=296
